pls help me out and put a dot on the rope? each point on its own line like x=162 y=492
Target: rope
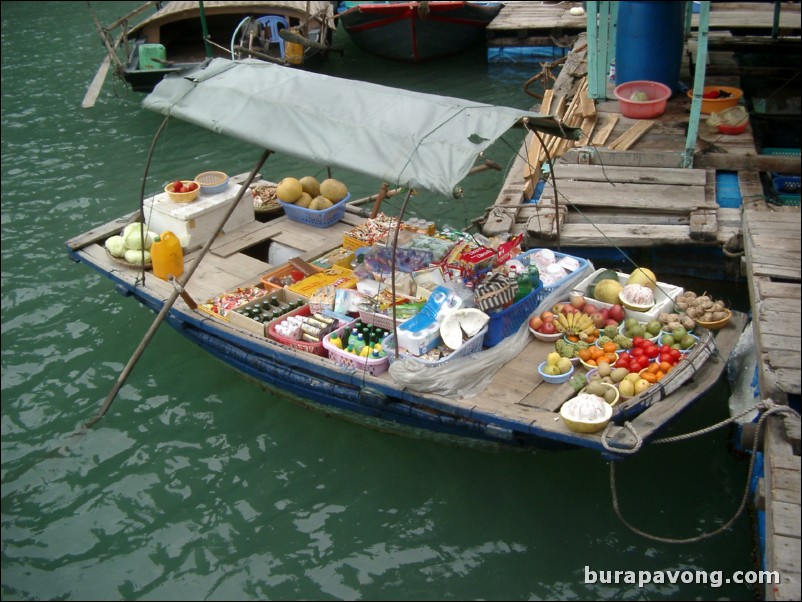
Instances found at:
x=770 y=408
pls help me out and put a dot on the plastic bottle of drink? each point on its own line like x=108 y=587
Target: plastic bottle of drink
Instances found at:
x=534 y=276
x=167 y=256
x=360 y=344
x=336 y=340
x=352 y=337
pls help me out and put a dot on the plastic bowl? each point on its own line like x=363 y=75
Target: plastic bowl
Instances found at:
x=714 y=105
x=590 y=367
x=732 y=130
x=716 y=325
x=212 y=182
x=548 y=338
x=182 y=197
x=657 y=94
x=554 y=380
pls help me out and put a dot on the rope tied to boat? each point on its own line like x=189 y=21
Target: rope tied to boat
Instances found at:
x=768 y=407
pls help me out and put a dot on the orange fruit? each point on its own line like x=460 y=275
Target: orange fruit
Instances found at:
x=610 y=347
x=649 y=377
x=665 y=367
x=584 y=354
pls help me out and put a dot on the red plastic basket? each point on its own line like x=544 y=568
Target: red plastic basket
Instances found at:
x=309 y=347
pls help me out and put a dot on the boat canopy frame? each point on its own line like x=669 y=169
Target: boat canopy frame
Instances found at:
x=410 y=139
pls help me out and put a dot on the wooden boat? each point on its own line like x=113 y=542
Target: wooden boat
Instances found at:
x=172 y=38
x=416 y=31
x=491 y=395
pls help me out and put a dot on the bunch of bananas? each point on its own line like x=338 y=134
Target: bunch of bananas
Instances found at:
x=575 y=324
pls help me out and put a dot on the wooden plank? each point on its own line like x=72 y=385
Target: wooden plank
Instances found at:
x=703 y=224
x=632 y=175
x=633 y=196
x=631 y=136
x=604 y=126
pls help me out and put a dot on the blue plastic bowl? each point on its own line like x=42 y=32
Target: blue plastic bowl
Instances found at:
x=554 y=380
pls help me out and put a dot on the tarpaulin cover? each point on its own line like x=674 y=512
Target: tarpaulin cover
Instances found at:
x=405 y=138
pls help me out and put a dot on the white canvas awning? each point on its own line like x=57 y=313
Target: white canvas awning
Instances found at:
x=401 y=137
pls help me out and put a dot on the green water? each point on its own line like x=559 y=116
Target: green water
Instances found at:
x=200 y=485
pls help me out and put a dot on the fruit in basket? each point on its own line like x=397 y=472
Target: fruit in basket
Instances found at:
x=334 y=190
x=607 y=291
x=304 y=200
x=319 y=203
x=310 y=185
x=644 y=277
x=289 y=190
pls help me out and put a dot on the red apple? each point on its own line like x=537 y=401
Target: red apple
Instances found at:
x=605 y=312
x=598 y=319
x=535 y=323
x=617 y=313
x=547 y=316
x=610 y=322
x=548 y=328
x=590 y=308
x=577 y=301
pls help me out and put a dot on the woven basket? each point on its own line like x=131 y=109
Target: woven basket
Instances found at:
x=182 y=197
x=212 y=182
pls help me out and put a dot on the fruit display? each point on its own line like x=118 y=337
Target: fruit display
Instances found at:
x=649 y=330
x=701 y=308
x=308 y=193
x=556 y=365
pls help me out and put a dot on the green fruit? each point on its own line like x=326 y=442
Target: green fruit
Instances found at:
x=609 y=395
x=667 y=339
x=564 y=365
x=687 y=342
x=595 y=388
x=619 y=374
x=679 y=333
x=653 y=327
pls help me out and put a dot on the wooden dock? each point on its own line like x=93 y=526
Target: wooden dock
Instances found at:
x=772 y=257
x=528 y=24
x=624 y=185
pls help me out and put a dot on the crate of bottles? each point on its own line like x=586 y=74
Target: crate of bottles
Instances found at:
x=256 y=315
x=374 y=363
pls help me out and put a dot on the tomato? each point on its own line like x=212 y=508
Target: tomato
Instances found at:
x=634 y=366
x=625 y=357
x=666 y=358
x=652 y=352
x=637 y=341
x=665 y=349
x=190 y=187
x=676 y=354
x=644 y=362
x=637 y=352
x=176 y=185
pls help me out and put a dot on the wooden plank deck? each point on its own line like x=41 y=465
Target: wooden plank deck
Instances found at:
x=772 y=255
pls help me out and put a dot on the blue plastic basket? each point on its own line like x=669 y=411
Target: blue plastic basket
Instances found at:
x=318 y=219
x=470 y=346
x=507 y=321
x=212 y=182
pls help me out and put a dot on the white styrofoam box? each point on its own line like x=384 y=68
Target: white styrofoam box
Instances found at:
x=664 y=297
x=193 y=223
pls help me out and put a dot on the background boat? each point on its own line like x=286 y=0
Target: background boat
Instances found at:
x=416 y=31
x=173 y=37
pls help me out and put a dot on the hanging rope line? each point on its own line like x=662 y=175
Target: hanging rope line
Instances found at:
x=769 y=408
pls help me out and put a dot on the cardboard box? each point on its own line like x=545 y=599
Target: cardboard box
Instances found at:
x=335 y=276
x=239 y=319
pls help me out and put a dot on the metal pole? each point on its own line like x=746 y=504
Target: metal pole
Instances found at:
x=698 y=84
x=205 y=30
x=169 y=303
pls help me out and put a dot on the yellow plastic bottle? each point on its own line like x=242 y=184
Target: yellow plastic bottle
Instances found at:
x=167 y=256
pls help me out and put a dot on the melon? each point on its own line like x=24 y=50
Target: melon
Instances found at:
x=607 y=291
x=644 y=277
x=310 y=186
x=304 y=200
x=334 y=190
x=289 y=190
x=319 y=203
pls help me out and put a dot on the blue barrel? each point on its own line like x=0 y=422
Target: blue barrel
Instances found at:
x=649 y=41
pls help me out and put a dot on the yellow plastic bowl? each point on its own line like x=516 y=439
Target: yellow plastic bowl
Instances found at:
x=714 y=105
x=182 y=197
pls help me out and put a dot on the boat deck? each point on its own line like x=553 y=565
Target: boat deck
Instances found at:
x=516 y=396
x=772 y=255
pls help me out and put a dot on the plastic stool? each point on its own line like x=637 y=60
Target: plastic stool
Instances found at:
x=272 y=23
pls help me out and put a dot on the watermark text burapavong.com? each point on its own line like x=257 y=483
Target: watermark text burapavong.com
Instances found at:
x=712 y=578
